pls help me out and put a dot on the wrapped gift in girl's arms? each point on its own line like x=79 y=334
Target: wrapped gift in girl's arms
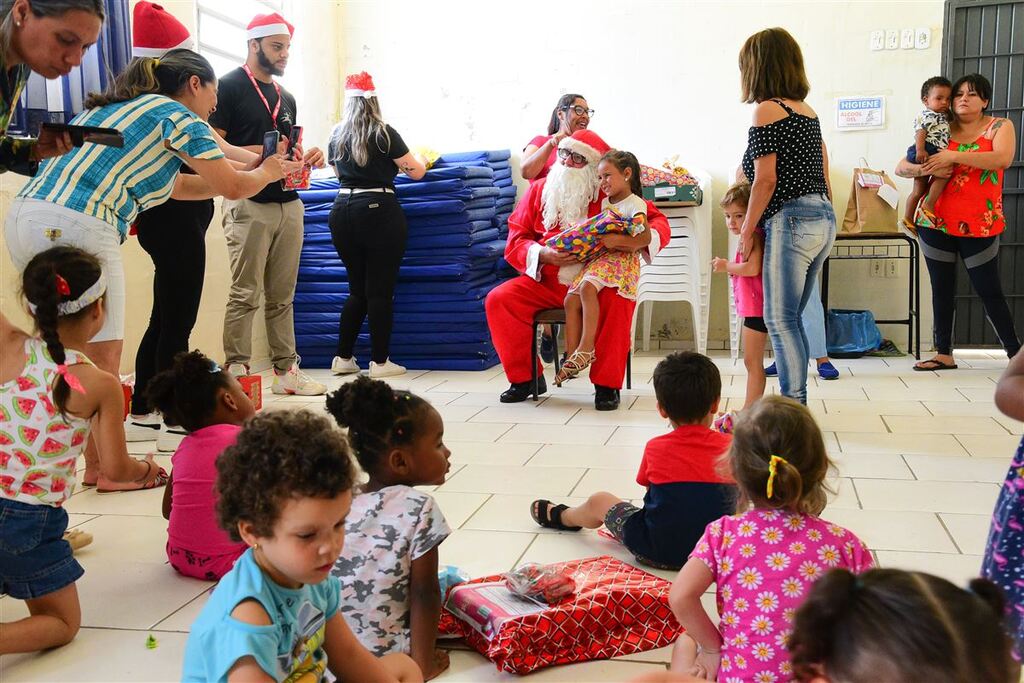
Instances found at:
x=583 y=240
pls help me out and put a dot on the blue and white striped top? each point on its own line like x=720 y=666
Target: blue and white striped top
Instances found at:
x=115 y=184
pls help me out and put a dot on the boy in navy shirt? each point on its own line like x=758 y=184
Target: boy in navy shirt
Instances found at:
x=685 y=489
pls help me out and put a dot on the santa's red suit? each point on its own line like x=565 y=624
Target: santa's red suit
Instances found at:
x=512 y=305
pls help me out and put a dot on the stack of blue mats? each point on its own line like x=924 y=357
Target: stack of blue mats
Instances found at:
x=458 y=222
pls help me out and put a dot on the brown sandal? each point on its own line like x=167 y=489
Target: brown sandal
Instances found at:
x=574 y=365
x=104 y=485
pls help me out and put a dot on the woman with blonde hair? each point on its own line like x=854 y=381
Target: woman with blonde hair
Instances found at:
x=368 y=227
x=790 y=197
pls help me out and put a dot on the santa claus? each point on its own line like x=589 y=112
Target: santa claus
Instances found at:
x=570 y=193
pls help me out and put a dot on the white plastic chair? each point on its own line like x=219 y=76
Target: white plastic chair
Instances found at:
x=735 y=321
x=682 y=270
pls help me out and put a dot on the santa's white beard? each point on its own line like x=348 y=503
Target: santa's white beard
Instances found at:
x=567 y=194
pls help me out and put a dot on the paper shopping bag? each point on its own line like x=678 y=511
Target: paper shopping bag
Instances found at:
x=866 y=211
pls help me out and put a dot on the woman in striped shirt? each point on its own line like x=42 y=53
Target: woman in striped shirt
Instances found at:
x=89 y=197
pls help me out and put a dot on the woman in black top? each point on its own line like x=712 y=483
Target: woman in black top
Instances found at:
x=368 y=227
x=790 y=197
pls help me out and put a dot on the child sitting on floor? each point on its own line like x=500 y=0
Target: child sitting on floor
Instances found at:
x=284 y=488
x=900 y=627
x=390 y=593
x=197 y=394
x=51 y=398
x=764 y=558
x=684 y=489
x=618 y=267
x=747 y=290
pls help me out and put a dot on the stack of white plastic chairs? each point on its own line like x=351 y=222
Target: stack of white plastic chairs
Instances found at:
x=682 y=270
x=735 y=320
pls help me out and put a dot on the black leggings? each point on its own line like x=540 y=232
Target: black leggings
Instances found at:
x=368 y=230
x=174 y=236
x=980 y=256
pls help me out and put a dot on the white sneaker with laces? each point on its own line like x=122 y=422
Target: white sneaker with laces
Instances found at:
x=295 y=382
x=385 y=369
x=344 y=366
x=143 y=427
x=238 y=370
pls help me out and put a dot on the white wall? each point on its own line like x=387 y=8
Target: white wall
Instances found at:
x=317 y=92
x=662 y=76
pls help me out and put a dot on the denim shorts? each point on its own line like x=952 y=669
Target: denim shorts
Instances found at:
x=615 y=520
x=912 y=151
x=35 y=560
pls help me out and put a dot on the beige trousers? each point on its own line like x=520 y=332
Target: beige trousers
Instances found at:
x=264 y=242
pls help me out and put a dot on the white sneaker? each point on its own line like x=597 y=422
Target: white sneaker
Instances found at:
x=344 y=366
x=296 y=383
x=170 y=439
x=143 y=428
x=385 y=369
x=238 y=369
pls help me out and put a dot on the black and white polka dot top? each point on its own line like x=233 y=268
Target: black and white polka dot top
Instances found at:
x=796 y=143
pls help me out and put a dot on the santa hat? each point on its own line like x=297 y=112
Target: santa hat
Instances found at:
x=360 y=85
x=155 y=31
x=587 y=143
x=263 y=25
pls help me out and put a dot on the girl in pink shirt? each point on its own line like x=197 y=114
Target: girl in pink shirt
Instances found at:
x=197 y=394
x=747 y=289
x=764 y=559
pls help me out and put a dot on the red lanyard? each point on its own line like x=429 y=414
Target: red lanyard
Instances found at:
x=277 y=89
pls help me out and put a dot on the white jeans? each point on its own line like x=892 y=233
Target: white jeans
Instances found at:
x=33 y=226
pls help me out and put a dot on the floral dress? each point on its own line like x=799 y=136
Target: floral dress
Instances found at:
x=1004 y=552
x=972 y=203
x=618 y=269
x=764 y=563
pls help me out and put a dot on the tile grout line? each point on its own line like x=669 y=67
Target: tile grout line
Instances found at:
x=478 y=508
x=903 y=457
x=205 y=592
x=948 y=533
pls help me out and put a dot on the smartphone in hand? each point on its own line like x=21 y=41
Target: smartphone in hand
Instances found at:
x=270 y=140
x=80 y=135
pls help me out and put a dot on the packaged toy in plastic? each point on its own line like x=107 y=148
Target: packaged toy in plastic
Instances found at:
x=544 y=583
x=583 y=240
x=616 y=609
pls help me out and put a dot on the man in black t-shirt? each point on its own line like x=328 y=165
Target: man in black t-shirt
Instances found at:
x=264 y=233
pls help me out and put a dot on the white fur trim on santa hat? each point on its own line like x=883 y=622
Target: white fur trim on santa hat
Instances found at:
x=186 y=44
x=574 y=145
x=269 y=30
x=366 y=94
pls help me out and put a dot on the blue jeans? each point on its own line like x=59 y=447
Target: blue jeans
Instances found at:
x=813 y=319
x=797 y=240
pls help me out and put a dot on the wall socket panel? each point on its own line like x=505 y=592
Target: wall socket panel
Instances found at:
x=900 y=39
x=888 y=268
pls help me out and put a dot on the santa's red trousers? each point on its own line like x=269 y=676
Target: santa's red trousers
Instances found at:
x=510 y=310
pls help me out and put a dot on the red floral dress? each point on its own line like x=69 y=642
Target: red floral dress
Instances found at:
x=972 y=203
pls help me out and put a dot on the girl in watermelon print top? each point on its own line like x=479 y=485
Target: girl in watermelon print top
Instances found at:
x=48 y=398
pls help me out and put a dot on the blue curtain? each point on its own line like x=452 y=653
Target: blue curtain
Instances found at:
x=60 y=99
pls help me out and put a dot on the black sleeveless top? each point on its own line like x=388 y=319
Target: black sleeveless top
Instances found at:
x=796 y=143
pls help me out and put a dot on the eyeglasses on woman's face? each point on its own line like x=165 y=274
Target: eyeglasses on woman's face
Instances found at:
x=577 y=158
x=579 y=111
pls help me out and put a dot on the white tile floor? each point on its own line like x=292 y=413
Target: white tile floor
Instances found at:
x=920 y=457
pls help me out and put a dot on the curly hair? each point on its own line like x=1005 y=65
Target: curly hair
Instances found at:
x=277 y=456
x=186 y=393
x=901 y=627
x=378 y=418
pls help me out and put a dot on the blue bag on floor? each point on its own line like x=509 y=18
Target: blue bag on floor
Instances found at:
x=851 y=334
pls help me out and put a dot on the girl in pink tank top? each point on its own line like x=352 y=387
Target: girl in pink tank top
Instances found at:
x=747 y=290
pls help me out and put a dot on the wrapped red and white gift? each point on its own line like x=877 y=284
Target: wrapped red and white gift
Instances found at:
x=583 y=239
x=615 y=609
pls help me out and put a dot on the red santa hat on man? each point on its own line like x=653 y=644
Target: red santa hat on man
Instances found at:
x=263 y=25
x=586 y=142
x=155 y=31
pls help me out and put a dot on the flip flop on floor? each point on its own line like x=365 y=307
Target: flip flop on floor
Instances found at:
x=549 y=515
x=934 y=364
x=123 y=487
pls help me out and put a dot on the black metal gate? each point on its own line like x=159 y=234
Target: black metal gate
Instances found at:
x=987 y=37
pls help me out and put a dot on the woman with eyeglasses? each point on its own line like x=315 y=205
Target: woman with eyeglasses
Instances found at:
x=569 y=115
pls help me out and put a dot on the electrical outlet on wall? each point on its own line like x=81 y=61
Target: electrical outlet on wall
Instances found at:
x=876 y=268
x=923 y=38
x=892 y=39
x=878 y=40
x=907 y=39
x=891 y=268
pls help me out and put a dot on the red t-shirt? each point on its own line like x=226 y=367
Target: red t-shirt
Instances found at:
x=540 y=141
x=689 y=453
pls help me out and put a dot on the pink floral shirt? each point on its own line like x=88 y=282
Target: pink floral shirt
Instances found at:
x=763 y=563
